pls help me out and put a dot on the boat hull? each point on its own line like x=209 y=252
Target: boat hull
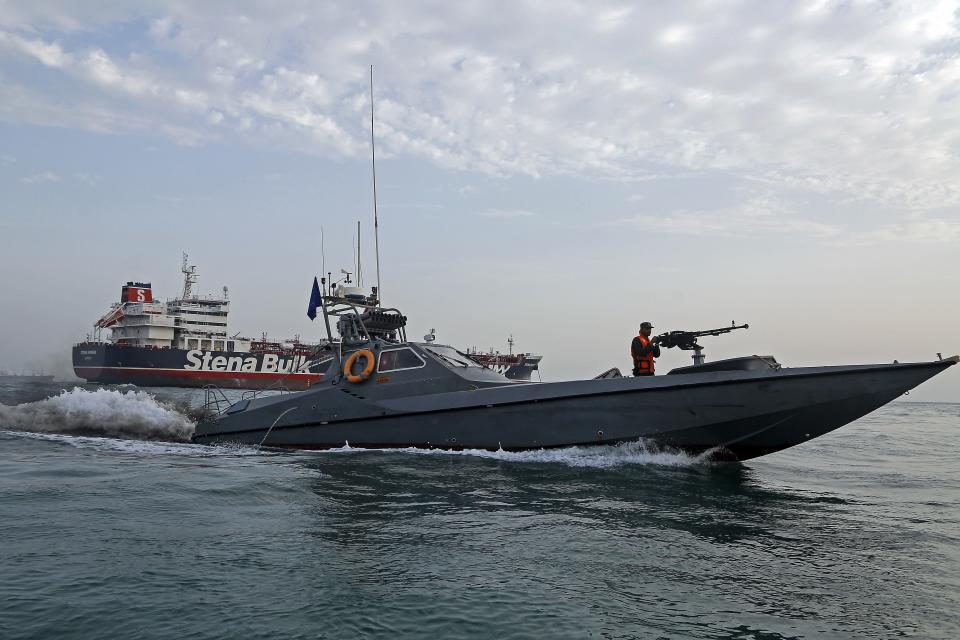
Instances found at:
x=738 y=415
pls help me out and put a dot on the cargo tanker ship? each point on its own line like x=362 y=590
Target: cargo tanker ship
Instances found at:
x=184 y=342
x=513 y=366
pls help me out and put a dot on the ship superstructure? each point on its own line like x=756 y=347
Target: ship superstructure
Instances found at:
x=188 y=322
x=185 y=342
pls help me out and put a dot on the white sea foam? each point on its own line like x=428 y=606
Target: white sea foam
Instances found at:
x=603 y=456
x=104 y=412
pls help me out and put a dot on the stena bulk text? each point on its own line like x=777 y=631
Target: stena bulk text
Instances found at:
x=198 y=360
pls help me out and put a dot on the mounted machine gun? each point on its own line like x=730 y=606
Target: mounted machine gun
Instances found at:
x=687 y=340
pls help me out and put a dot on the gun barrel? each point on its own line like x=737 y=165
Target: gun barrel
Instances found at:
x=688 y=339
x=720 y=331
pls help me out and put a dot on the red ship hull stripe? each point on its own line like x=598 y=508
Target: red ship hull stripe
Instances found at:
x=85 y=372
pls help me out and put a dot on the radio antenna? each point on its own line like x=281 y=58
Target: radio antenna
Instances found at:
x=323 y=259
x=359 y=262
x=376 y=226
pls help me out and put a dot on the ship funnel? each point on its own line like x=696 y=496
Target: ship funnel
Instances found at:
x=136 y=292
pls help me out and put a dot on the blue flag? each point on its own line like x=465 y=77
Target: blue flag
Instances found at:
x=316 y=299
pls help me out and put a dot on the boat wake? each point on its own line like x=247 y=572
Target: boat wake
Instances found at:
x=105 y=412
x=143 y=447
x=602 y=456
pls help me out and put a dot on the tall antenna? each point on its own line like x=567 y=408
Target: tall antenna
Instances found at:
x=323 y=260
x=376 y=226
x=359 y=262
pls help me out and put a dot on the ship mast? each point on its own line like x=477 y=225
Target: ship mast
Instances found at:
x=189 y=277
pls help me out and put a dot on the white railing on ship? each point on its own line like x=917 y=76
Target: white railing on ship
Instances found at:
x=215 y=401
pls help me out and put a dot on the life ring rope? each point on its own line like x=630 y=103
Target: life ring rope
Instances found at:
x=367 y=368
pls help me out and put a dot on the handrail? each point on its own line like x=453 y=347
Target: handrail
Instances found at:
x=213 y=400
x=276 y=386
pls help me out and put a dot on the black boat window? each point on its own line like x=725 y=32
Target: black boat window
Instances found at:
x=396 y=359
x=452 y=357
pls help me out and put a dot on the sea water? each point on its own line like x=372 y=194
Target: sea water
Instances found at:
x=113 y=525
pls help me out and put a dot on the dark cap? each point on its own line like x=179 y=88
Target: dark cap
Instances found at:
x=646 y=325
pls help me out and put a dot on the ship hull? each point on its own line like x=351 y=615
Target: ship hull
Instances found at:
x=738 y=415
x=522 y=371
x=146 y=367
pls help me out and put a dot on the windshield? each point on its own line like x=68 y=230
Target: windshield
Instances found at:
x=397 y=359
x=452 y=357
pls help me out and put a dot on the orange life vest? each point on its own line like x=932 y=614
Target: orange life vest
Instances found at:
x=643 y=364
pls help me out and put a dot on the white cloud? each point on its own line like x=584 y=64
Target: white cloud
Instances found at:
x=21 y=104
x=767 y=215
x=611 y=19
x=50 y=54
x=759 y=215
x=40 y=178
x=857 y=100
x=916 y=229
x=676 y=35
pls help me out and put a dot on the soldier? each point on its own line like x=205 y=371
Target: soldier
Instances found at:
x=644 y=349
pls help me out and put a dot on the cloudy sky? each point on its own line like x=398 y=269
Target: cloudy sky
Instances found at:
x=557 y=170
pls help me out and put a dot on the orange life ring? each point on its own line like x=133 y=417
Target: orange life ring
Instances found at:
x=367 y=369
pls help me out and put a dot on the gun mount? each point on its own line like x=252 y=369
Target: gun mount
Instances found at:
x=687 y=340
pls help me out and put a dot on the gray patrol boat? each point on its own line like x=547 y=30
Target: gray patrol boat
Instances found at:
x=383 y=391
